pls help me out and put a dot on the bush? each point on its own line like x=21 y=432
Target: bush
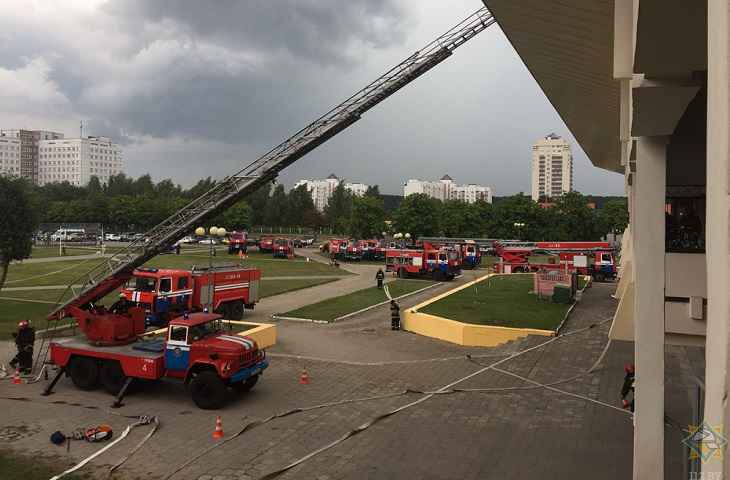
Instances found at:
x=561 y=294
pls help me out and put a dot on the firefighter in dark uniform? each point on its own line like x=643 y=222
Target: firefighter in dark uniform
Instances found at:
x=627 y=390
x=380 y=277
x=394 y=315
x=24 y=340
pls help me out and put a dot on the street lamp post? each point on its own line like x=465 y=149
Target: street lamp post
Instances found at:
x=213 y=232
x=519 y=226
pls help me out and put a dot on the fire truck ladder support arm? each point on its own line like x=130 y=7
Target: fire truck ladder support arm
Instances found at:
x=109 y=275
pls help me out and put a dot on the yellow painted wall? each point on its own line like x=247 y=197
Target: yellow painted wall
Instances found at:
x=462 y=333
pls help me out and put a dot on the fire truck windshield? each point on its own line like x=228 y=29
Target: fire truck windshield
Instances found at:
x=282 y=242
x=142 y=284
x=199 y=331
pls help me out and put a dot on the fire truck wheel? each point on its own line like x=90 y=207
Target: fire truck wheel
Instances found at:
x=112 y=376
x=247 y=384
x=401 y=273
x=84 y=373
x=598 y=277
x=235 y=310
x=208 y=390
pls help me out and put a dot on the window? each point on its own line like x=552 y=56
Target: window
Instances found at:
x=178 y=333
x=685 y=219
x=182 y=283
x=165 y=285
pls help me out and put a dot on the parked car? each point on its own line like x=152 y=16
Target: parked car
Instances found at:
x=208 y=241
x=187 y=239
x=113 y=237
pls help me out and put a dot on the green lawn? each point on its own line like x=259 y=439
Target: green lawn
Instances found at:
x=336 y=307
x=67 y=271
x=504 y=301
x=22 y=467
x=275 y=287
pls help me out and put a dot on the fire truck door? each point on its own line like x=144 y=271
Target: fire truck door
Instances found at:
x=177 y=352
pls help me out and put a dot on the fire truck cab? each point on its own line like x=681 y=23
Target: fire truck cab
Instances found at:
x=266 y=244
x=238 y=242
x=439 y=263
x=283 y=248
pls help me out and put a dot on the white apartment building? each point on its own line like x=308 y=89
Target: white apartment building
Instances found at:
x=446 y=189
x=552 y=167
x=76 y=160
x=321 y=190
x=29 y=148
x=9 y=156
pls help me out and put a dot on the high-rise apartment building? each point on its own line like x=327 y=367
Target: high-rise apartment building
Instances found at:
x=322 y=190
x=29 y=140
x=9 y=156
x=76 y=160
x=446 y=189
x=552 y=167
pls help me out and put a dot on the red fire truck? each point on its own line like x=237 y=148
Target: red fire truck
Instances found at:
x=283 y=248
x=586 y=258
x=196 y=350
x=238 y=242
x=425 y=260
x=371 y=250
x=266 y=244
x=353 y=251
x=166 y=293
x=337 y=247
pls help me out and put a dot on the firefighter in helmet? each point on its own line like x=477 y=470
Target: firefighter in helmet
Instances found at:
x=380 y=277
x=24 y=340
x=394 y=315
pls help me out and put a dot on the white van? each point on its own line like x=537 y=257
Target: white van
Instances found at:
x=66 y=234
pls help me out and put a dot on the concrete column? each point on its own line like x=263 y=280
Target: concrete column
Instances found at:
x=648 y=234
x=718 y=226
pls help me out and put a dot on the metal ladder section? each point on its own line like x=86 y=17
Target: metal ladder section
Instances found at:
x=111 y=274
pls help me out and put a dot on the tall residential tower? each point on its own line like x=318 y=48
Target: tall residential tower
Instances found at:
x=552 y=167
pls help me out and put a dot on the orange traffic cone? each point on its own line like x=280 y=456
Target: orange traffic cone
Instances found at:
x=16 y=377
x=218 y=432
x=304 y=377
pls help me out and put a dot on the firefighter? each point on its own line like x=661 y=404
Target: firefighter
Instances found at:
x=628 y=388
x=177 y=248
x=379 y=277
x=394 y=315
x=24 y=340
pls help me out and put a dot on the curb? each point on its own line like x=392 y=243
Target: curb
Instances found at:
x=297 y=319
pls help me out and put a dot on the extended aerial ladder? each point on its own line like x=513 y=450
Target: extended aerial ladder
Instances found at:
x=109 y=275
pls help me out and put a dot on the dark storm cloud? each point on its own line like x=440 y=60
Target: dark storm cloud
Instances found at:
x=313 y=30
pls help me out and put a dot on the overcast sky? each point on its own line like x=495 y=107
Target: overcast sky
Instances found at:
x=196 y=88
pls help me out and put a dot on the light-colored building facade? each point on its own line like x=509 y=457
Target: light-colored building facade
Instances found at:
x=10 y=156
x=446 y=189
x=29 y=140
x=643 y=86
x=76 y=160
x=552 y=167
x=322 y=189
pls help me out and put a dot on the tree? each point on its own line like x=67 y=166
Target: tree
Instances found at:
x=367 y=219
x=275 y=207
x=418 y=215
x=258 y=201
x=339 y=209
x=575 y=220
x=373 y=191
x=456 y=218
x=299 y=205
x=614 y=216
x=238 y=217
x=18 y=223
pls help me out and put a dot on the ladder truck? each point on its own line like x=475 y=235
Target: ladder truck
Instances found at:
x=122 y=329
x=585 y=258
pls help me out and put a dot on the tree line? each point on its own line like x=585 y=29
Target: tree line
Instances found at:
x=126 y=203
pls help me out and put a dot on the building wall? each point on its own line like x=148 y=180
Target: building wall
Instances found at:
x=552 y=167
x=447 y=189
x=29 y=140
x=10 y=157
x=322 y=190
x=76 y=160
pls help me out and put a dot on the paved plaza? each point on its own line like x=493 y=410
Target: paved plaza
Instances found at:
x=529 y=432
